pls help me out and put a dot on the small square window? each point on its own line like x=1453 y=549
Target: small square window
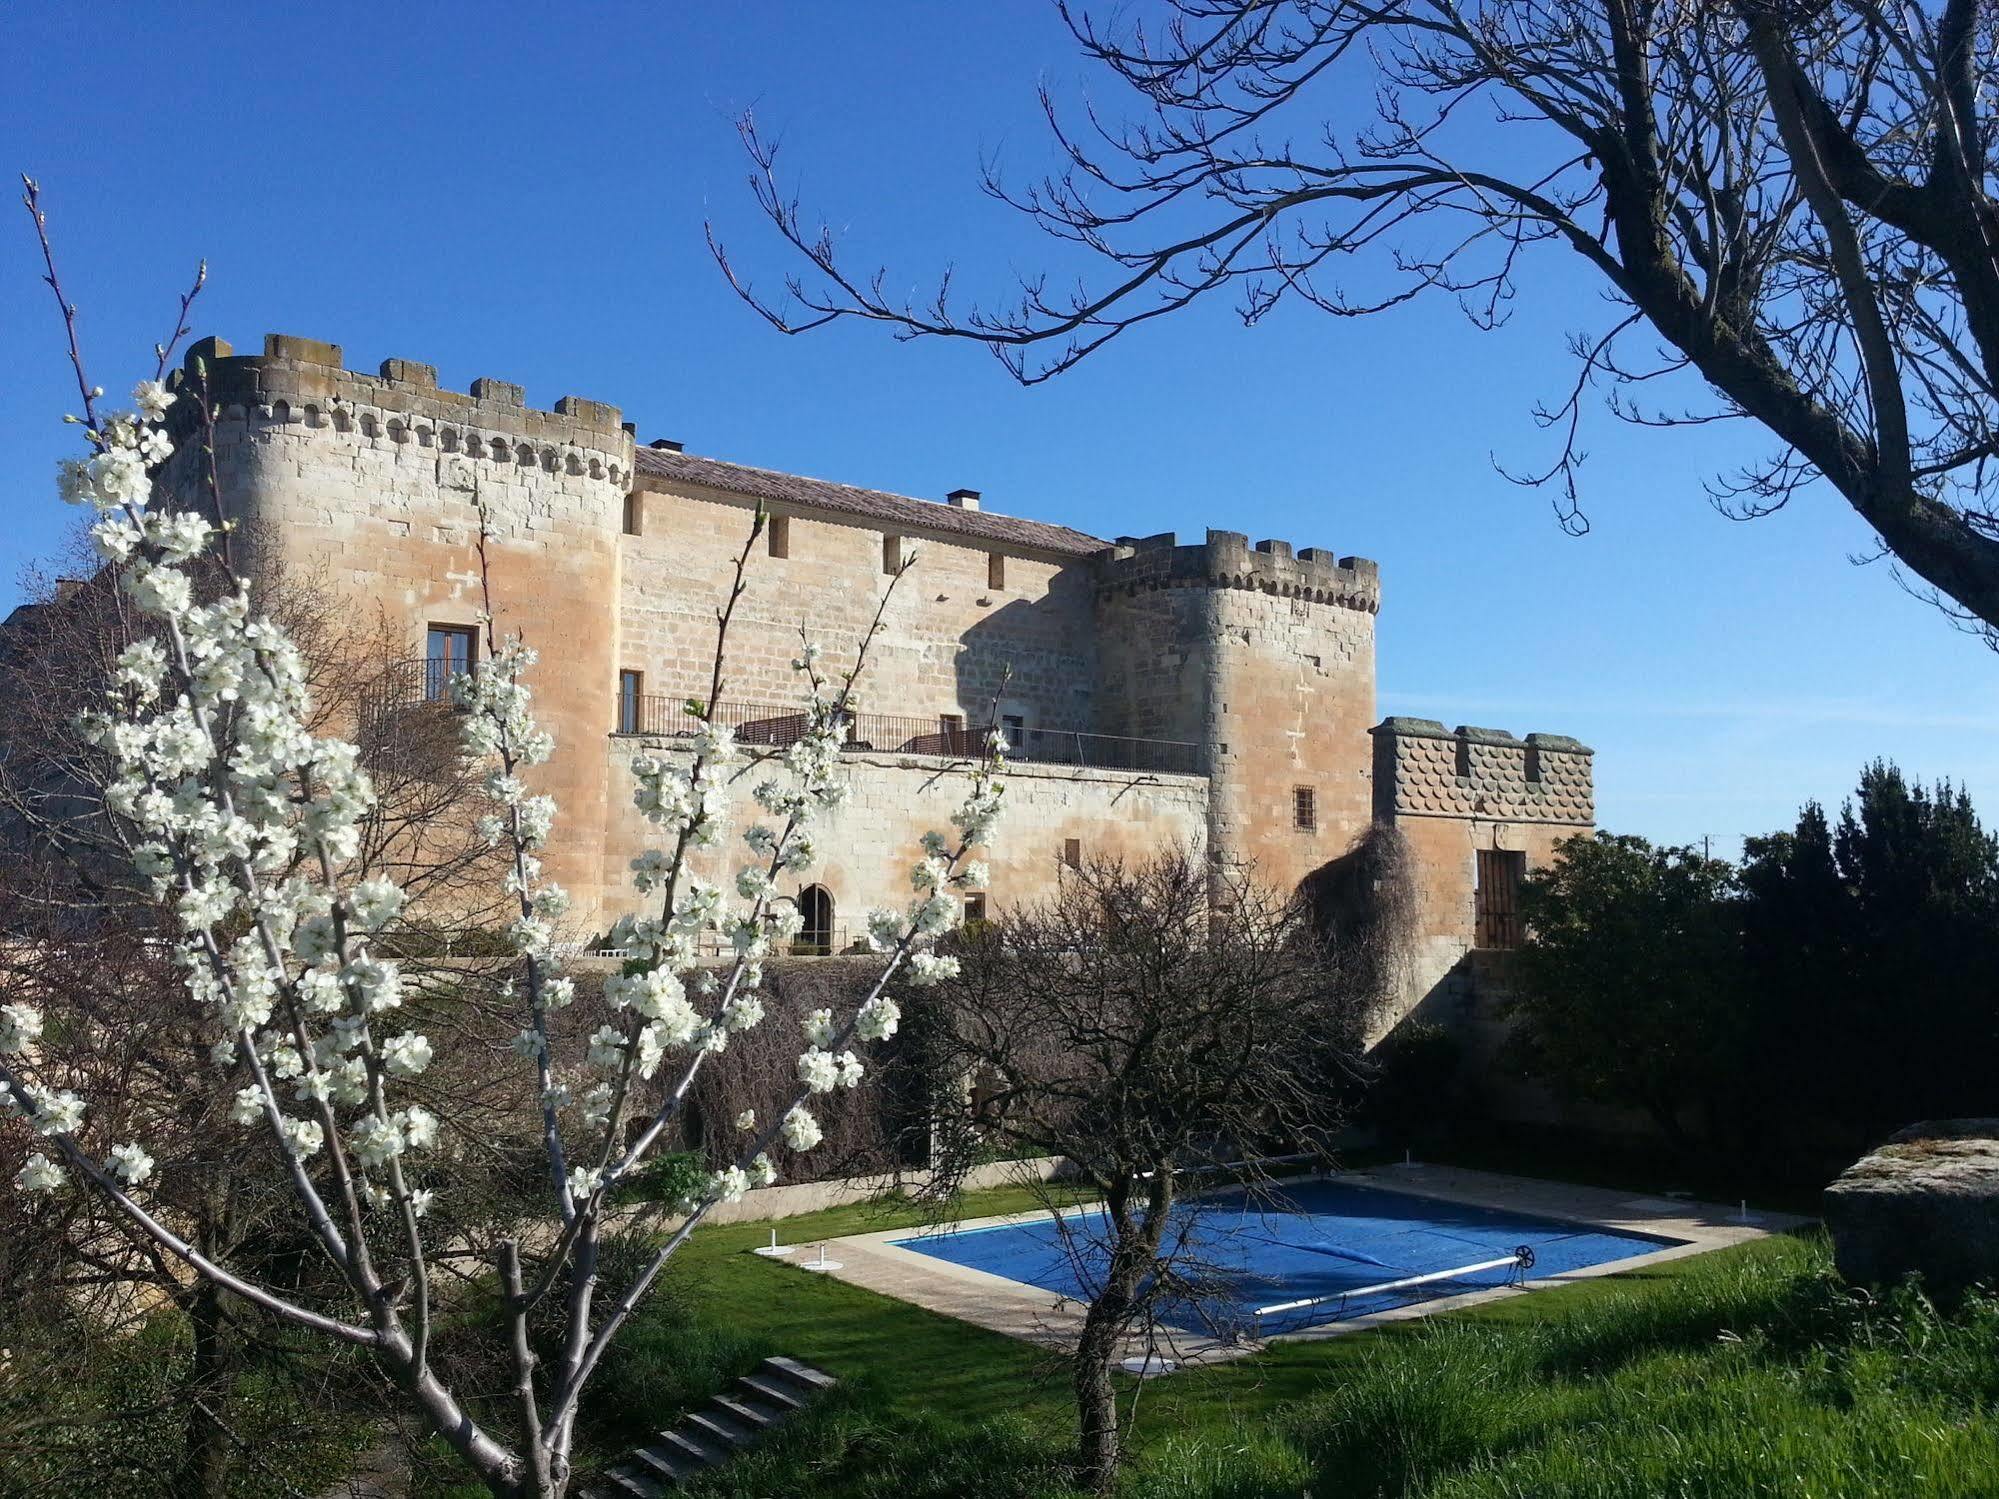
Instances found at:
x=975 y=907
x=634 y=514
x=1305 y=809
x=448 y=650
x=780 y=536
x=631 y=701
x=995 y=570
x=1072 y=852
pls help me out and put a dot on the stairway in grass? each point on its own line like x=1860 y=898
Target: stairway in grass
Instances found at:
x=710 y=1436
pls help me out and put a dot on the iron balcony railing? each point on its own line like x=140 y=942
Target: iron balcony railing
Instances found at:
x=759 y=725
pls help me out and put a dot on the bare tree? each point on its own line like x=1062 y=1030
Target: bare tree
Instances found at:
x=1147 y=1022
x=1790 y=200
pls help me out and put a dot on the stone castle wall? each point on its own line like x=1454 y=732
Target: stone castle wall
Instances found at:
x=1453 y=792
x=949 y=636
x=1258 y=658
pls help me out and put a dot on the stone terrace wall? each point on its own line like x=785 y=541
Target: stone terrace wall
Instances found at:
x=869 y=847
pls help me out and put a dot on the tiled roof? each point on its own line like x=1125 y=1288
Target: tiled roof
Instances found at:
x=869 y=504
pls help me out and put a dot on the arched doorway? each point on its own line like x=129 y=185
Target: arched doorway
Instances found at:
x=815 y=904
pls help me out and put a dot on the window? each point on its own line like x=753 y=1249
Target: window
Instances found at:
x=1500 y=872
x=892 y=555
x=951 y=733
x=780 y=536
x=634 y=514
x=1014 y=728
x=995 y=570
x=450 y=649
x=1305 y=809
x=975 y=907
x=631 y=700
x=1072 y=852
x=815 y=905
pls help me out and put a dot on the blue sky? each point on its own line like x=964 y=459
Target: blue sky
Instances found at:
x=520 y=192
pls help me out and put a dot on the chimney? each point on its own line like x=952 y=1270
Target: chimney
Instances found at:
x=666 y=445
x=963 y=499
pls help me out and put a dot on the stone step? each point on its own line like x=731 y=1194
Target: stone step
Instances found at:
x=753 y=1415
x=712 y=1424
x=771 y=1391
x=633 y=1485
x=801 y=1377
x=672 y=1465
x=697 y=1452
x=731 y=1422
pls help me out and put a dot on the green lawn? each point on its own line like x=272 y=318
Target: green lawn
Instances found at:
x=1740 y=1372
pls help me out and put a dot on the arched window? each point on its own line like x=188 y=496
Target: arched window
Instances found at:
x=815 y=904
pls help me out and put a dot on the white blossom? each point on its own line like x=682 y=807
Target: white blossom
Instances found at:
x=375 y=902
x=304 y=1137
x=406 y=1055
x=818 y=1070
x=39 y=1174
x=54 y=1111
x=879 y=1016
x=801 y=1130
x=130 y=1163
x=20 y=1027
x=419 y=1128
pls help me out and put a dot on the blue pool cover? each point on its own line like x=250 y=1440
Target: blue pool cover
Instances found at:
x=1305 y=1240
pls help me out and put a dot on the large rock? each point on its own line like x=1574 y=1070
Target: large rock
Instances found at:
x=1927 y=1201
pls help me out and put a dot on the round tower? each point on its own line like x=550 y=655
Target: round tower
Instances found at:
x=379 y=485
x=1265 y=657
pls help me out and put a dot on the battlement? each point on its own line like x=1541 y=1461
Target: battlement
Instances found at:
x=1422 y=769
x=1227 y=560
x=304 y=380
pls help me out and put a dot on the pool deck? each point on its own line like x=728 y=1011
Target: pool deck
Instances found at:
x=1038 y=1316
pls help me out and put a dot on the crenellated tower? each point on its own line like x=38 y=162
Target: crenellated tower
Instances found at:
x=1263 y=656
x=381 y=484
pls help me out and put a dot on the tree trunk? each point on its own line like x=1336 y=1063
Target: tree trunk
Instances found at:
x=205 y=1449
x=1134 y=1251
x=1096 y=1400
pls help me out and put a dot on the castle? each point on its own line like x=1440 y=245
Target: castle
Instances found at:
x=1152 y=691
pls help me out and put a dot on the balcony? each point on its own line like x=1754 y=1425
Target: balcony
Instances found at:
x=405 y=721
x=758 y=726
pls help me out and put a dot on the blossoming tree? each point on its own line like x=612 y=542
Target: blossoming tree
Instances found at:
x=246 y=823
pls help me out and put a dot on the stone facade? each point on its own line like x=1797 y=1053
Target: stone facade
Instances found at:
x=1160 y=693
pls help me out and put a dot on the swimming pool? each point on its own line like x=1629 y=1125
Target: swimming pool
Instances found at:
x=1306 y=1240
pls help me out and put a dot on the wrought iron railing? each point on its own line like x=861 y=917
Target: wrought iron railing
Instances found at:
x=403 y=718
x=759 y=725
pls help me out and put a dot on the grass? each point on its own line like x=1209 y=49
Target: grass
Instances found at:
x=1746 y=1371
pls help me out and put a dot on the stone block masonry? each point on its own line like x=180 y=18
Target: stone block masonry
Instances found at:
x=1253 y=663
